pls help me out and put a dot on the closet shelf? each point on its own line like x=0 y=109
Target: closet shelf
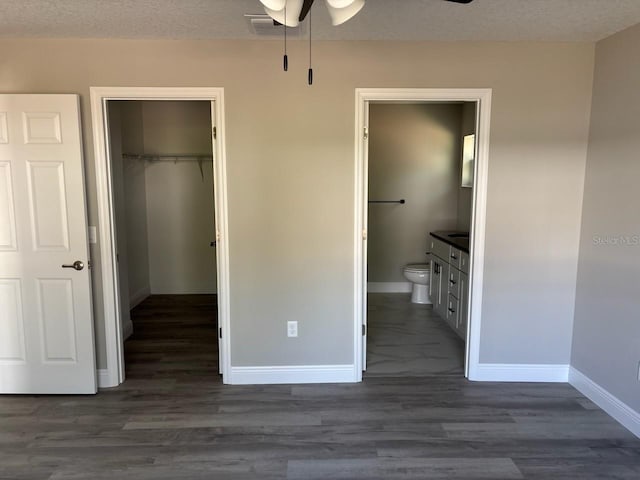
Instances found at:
x=168 y=157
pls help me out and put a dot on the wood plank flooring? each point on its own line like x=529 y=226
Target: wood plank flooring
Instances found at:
x=174 y=420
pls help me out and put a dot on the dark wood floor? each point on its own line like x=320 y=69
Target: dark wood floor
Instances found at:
x=174 y=339
x=173 y=420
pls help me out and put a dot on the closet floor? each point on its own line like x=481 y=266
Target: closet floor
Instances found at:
x=174 y=338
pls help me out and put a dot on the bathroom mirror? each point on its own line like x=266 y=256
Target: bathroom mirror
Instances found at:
x=468 y=155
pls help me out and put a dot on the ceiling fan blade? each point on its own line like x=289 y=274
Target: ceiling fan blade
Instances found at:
x=459 y=1
x=306 y=6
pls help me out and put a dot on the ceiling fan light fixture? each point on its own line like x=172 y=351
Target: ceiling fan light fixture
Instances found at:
x=340 y=3
x=292 y=10
x=339 y=15
x=273 y=4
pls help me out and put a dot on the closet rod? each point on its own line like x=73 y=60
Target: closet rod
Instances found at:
x=401 y=201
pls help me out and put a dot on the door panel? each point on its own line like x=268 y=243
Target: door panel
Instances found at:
x=4 y=132
x=47 y=204
x=57 y=320
x=7 y=209
x=46 y=323
x=12 y=349
x=41 y=127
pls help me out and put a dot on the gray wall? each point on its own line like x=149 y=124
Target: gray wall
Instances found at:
x=164 y=209
x=414 y=152
x=180 y=208
x=137 y=260
x=290 y=154
x=120 y=210
x=606 y=339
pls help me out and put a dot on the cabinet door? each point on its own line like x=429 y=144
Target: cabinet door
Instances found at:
x=464 y=305
x=440 y=306
x=435 y=281
x=453 y=281
x=453 y=308
x=432 y=279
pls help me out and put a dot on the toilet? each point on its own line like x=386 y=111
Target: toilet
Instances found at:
x=418 y=274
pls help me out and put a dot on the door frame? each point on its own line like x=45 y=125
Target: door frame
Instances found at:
x=363 y=98
x=114 y=375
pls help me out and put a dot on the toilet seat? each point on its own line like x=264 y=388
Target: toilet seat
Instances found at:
x=417 y=267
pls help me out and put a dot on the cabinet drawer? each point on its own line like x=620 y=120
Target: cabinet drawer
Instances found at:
x=440 y=249
x=454 y=257
x=453 y=282
x=464 y=262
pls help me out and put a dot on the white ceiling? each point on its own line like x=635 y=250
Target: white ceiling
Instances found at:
x=430 y=20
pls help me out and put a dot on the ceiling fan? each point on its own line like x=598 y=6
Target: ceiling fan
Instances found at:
x=291 y=12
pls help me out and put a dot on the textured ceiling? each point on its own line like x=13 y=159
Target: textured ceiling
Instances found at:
x=430 y=20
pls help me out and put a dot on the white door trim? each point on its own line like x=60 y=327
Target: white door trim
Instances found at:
x=365 y=96
x=113 y=375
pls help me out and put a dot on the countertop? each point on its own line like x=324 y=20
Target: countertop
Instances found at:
x=458 y=242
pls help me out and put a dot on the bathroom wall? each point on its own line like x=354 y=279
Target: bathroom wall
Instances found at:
x=465 y=195
x=414 y=153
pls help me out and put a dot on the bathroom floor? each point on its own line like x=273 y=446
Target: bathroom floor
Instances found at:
x=409 y=340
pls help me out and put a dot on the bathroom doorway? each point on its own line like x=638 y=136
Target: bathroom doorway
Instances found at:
x=165 y=261
x=421 y=170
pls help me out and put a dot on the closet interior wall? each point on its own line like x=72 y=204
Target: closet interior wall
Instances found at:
x=164 y=206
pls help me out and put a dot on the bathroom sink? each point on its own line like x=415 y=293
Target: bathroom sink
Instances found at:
x=458 y=235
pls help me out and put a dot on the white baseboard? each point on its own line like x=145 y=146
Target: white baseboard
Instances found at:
x=507 y=372
x=104 y=380
x=127 y=329
x=293 y=374
x=623 y=413
x=138 y=297
x=389 y=287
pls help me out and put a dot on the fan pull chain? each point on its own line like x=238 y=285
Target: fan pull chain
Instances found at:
x=284 y=25
x=310 y=76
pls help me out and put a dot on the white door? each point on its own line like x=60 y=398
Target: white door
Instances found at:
x=46 y=323
x=217 y=239
x=365 y=236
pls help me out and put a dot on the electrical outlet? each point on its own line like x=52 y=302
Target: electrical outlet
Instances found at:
x=292 y=329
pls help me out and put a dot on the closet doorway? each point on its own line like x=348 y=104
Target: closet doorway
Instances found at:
x=161 y=179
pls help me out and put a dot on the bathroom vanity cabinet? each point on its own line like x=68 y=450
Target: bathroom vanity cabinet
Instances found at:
x=449 y=281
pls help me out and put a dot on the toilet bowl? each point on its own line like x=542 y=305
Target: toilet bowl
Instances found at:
x=418 y=274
